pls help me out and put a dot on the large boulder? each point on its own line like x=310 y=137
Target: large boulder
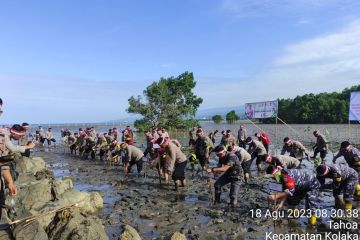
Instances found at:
x=32 y=165
x=76 y=225
x=31 y=231
x=61 y=186
x=35 y=195
x=129 y=233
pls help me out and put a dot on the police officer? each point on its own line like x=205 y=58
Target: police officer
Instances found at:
x=282 y=161
x=203 y=147
x=133 y=155
x=245 y=160
x=297 y=185
x=295 y=148
x=228 y=139
x=256 y=150
x=242 y=135
x=320 y=146
x=344 y=179
x=230 y=165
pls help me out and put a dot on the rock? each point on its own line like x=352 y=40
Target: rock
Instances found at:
x=129 y=233
x=61 y=186
x=76 y=225
x=178 y=236
x=32 y=165
x=35 y=195
x=30 y=231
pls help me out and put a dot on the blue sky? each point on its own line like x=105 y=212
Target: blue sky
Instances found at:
x=79 y=61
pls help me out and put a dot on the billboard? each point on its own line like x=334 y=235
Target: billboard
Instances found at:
x=267 y=109
x=354 y=109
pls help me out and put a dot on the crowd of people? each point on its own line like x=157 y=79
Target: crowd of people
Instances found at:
x=235 y=154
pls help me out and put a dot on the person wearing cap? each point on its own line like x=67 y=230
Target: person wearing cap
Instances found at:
x=49 y=137
x=212 y=135
x=344 y=182
x=203 y=146
x=321 y=146
x=192 y=136
x=245 y=160
x=256 y=150
x=230 y=166
x=24 y=140
x=242 y=135
x=128 y=136
x=282 y=161
x=264 y=138
x=133 y=155
x=297 y=185
x=228 y=140
x=177 y=160
x=295 y=148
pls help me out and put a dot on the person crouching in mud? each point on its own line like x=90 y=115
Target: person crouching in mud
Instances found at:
x=230 y=165
x=133 y=155
x=177 y=160
x=297 y=185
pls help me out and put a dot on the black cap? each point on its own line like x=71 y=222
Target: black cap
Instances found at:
x=219 y=148
x=286 y=139
x=321 y=170
x=345 y=144
x=248 y=140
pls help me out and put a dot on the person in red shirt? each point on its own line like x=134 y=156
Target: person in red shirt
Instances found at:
x=264 y=138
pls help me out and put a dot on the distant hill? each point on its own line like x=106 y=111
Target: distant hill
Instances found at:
x=208 y=113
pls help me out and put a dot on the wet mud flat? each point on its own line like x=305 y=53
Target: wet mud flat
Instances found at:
x=157 y=211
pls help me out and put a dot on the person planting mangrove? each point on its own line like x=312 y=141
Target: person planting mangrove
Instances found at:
x=245 y=160
x=230 y=166
x=344 y=181
x=321 y=146
x=177 y=160
x=297 y=184
x=203 y=146
x=256 y=150
x=295 y=148
x=133 y=155
x=282 y=161
x=264 y=138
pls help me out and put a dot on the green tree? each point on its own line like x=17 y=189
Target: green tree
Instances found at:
x=217 y=119
x=169 y=102
x=232 y=117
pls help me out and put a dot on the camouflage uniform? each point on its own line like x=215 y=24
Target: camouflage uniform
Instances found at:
x=285 y=161
x=344 y=180
x=257 y=150
x=321 y=146
x=233 y=176
x=228 y=141
x=203 y=146
x=244 y=158
x=352 y=158
x=301 y=184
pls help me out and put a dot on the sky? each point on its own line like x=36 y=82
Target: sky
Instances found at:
x=80 y=61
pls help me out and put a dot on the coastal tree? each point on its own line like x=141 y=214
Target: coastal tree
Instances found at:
x=232 y=117
x=169 y=102
x=217 y=119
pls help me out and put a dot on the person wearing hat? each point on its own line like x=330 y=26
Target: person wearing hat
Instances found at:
x=264 y=138
x=23 y=140
x=133 y=155
x=352 y=156
x=245 y=160
x=295 y=148
x=203 y=146
x=297 y=185
x=320 y=146
x=230 y=166
x=242 y=135
x=282 y=161
x=344 y=182
x=228 y=140
x=256 y=150
x=177 y=160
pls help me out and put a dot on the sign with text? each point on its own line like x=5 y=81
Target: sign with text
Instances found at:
x=261 y=109
x=354 y=109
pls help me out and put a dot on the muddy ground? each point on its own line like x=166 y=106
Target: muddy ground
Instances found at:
x=157 y=211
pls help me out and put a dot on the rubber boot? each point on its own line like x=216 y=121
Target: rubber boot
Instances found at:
x=312 y=221
x=357 y=190
x=217 y=198
x=348 y=205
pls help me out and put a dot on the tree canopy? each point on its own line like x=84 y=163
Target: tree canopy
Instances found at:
x=217 y=119
x=169 y=103
x=232 y=117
